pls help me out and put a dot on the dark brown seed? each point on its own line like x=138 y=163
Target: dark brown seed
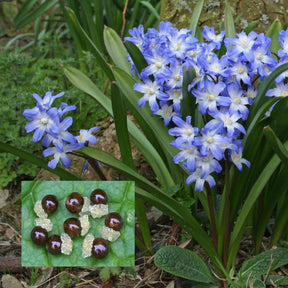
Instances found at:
x=72 y=227
x=50 y=204
x=98 y=196
x=100 y=248
x=74 y=202
x=114 y=220
x=54 y=244
x=39 y=235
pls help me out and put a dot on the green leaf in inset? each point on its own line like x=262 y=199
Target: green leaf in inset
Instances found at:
x=183 y=263
x=121 y=199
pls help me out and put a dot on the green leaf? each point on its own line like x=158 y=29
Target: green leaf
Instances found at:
x=229 y=22
x=116 y=49
x=264 y=263
x=93 y=48
x=81 y=81
x=253 y=195
x=62 y=173
x=157 y=197
x=258 y=110
x=251 y=26
x=273 y=33
x=183 y=263
x=39 y=11
x=136 y=56
x=24 y=9
x=154 y=129
x=196 y=16
x=120 y=118
x=120 y=199
x=276 y=144
x=151 y=9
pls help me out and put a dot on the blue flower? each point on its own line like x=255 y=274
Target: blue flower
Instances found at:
x=209 y=97
x=210 y=35
x=151 y=92
x=60 y=154
x=196 y=177
x=86 y=136
x=47 y=101
x=42 y=122
x=62 y=136
x=211 y=142
x=184 y=132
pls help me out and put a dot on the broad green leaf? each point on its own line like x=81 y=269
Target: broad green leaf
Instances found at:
x=62 y=173
x=273 y=33
x=116 y=49
x=196 y=16
x=81 y=81
x=39 y=11
x=120 y=199
x=229 y=22
x=183 y=263
x=278 y=280
x=265 y=262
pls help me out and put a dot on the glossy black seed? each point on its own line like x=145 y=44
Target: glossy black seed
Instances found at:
x=100 y=248
x=98 y=196
x=49 y=204
x=39 y=235
x=74 y=202
x=72 y=227
x=54 y=244
x=114 y=220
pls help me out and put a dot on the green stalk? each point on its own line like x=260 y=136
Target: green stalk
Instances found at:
x=212 y=215
x=227 y=196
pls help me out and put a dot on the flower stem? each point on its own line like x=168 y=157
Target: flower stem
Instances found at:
x=227 y=214
x=212 y=215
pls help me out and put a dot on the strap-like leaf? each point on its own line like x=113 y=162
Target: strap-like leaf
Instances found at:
x=62 y=173
x=196 y=16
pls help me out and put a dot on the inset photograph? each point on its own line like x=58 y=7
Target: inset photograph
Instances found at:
x=78 y=223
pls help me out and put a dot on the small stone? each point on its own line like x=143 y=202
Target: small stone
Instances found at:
x=109 y=234
x=85 y=224
x=67 y=244
x=44 y=223
x=38 y=209
x=98 y=210
x=87 y=246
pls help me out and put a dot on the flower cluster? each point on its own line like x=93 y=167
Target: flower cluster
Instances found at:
x=49 y=125
x=224 y=88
